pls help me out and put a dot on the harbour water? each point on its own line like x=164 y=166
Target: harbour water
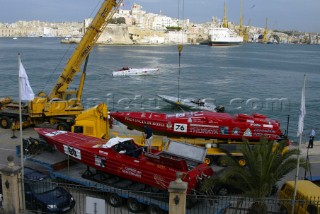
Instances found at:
x=251 y=78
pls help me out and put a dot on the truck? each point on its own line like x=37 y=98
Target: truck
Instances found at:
x=65 y=171
x=61 y=106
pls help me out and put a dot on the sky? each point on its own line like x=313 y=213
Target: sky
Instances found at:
x=301 y=15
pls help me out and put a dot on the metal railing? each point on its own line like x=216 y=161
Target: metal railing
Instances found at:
x=96 y=200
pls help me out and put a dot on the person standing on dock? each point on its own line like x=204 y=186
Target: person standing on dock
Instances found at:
x=312 y=135
x=148 y=137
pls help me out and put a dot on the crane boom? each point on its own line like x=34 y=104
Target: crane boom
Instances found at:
x=98 y=24
x=57 y=108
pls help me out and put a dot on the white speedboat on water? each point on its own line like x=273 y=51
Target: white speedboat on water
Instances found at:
x=195 y=104
x=224 y=37
x=126 y=71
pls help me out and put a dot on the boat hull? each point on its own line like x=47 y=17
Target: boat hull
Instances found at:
x=203 y=124
x=135 y=72
x=188 y=103
x=106 y=157
x=222 y=43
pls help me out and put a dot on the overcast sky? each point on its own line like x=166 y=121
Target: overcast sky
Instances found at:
x=302 y=15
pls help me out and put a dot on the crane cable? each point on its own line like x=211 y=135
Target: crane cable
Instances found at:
x=180 y=46
x=65 y=53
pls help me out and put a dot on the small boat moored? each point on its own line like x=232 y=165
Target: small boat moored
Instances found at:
x=126 y=71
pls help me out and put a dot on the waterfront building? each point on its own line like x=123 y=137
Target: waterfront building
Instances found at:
x=141 y=26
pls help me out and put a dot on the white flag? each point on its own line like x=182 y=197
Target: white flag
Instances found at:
x=26 y=92
x=302 y=109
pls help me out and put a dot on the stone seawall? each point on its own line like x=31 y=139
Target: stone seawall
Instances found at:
x=115 y=34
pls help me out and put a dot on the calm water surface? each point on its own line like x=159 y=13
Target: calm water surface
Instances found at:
x=250 y=78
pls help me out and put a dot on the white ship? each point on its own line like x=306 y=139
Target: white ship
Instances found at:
x=224 y=37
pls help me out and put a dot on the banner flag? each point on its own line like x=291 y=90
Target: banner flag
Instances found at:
x=302 y=110
x=26 y=92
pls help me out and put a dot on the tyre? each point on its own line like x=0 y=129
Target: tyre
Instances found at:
x=114 y=200
x=209 y=160
x=5 y=122
x=38 y=210
x=223 y=161
x=283 y=210
x=223 y=191
x=242 y=161
x=154 y=209
x=63 y=126
x=134 y=205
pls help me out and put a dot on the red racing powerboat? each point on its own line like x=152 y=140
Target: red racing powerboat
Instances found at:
x=204 y=124
x=123 y=158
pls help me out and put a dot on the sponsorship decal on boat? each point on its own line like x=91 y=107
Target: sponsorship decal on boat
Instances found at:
x=169 y=125
x=55 y=133
x=179 y=127
x=151 y=123
x=199 y=120
x=131 y=171
x=76 y=153
x=265 y=134
x=250 y=121
x=100 y=161
x=103 y=152
x=267 y=126
x=224 y=129
x=267 y=131
x=160 y=181
x=236 y=131
x=201 y=177
x=203 y=129
x=178 y=115
x=255 y=124
x=247 y=133
x=200 y=125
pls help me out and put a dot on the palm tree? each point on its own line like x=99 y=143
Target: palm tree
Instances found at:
x=266 y=163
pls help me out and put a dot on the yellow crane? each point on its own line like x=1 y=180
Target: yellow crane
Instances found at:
x=57 y=107
x=265 y=33
x=225 y=21
x=246 y=32
x=241 y=20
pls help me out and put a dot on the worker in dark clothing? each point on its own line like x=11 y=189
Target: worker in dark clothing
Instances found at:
x=148 y=137
x=130 y=149
x=312 y=135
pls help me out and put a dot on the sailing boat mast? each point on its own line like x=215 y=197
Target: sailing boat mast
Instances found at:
x=225 y=21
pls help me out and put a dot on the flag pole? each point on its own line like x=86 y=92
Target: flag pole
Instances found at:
x=300 y=130
x=21 y=140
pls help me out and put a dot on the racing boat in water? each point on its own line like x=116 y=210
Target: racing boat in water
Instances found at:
x=123 y=158
x=204 y=124
x=126 y=71
x=195 y=104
